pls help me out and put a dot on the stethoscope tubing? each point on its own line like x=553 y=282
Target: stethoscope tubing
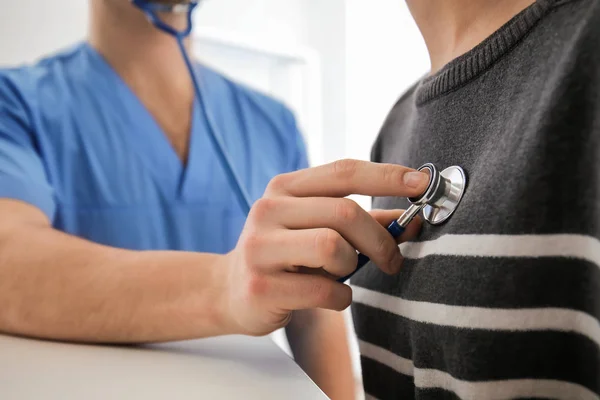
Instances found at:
x=151 y=9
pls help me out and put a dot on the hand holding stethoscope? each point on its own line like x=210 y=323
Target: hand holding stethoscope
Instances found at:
x=304 y=220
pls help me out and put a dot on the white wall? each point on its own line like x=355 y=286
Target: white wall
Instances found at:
x=386 y=55
x=370 y=53
x=30 y=29
x=272 y=20
x=314 y=24
x=326 y=29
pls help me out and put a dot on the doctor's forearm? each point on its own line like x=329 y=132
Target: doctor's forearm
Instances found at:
x=56 y=286
x=318 y=339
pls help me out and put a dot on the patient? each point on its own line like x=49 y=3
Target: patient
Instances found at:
x=503 y=301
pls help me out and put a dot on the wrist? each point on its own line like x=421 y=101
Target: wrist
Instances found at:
x=204 y=294
x=224 y=311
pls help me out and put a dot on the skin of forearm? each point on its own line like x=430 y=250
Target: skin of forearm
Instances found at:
x=318 y=339
x=56 y=286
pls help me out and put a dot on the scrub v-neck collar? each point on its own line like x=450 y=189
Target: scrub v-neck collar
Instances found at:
x=145 y=137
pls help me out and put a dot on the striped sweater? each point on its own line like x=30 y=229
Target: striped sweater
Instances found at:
x=503 y=300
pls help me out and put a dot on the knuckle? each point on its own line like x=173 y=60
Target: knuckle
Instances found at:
x=388 y=252
x=257 y=286
x=252 y=245
x=263 y=208
x=345 y=168
x=386 y=249
x=278 y=183
x=329 y=244
x=347 y=210
x=390 y=173
x=382 y=246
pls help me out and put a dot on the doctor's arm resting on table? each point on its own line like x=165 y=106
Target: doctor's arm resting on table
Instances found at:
x=56 y=286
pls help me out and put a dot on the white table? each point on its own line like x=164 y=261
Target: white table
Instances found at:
x=222 y=368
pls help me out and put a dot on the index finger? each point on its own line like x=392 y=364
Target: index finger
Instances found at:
x=346 y=177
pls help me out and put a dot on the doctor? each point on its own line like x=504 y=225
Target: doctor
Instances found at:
x=119 y=225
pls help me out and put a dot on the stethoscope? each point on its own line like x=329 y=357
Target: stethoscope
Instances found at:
x=151 y=9
x=441 y=198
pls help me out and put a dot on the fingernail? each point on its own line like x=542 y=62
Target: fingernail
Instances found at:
x=415 y=179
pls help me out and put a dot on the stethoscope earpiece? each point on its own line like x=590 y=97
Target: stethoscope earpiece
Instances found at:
x=152 y=8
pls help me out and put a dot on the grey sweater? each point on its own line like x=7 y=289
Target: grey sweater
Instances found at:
x=503 y=300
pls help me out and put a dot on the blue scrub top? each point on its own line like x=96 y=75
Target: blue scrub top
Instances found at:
x=78 y=144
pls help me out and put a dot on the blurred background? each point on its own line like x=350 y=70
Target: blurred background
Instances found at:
x=340 y=65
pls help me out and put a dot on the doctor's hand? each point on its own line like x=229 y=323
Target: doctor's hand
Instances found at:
x=303 y=235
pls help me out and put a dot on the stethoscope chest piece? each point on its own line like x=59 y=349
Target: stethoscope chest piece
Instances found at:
x=442 y=196
x=451 y=184
x=455 y=182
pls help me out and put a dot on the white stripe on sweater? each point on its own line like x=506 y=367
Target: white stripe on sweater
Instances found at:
x=492 y=390
x=568 y=246
x=496 y=319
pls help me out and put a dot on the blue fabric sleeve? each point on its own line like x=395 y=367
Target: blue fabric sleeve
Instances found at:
x=22 y=173
x=299 y=157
